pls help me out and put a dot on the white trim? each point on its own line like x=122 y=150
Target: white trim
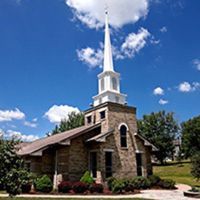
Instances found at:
x=139 y=151
x=108 y=150
x=123 y=124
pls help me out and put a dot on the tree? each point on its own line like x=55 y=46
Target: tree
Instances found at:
x=74 y=120
x=195 y=166
x=191 y=136
x=12 y=171
x=160 y=129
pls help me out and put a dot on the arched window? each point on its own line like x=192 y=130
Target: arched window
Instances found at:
x=114 y=83
x=102 y=85
x=123 y=136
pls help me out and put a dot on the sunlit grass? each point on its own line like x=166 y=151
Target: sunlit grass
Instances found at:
x=179 y=172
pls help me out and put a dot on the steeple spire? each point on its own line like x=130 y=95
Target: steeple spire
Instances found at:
x=108 y=60
x=109 y=80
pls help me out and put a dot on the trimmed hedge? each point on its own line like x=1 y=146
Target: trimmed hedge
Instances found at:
x=43 y=184
x=140 y=182
x=65 y=186
x=154 y=180
x=80 y=187
x=98 y=188
x=167 y=184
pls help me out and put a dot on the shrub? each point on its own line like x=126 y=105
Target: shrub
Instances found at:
x=64 y=186
x=80 y=187
x=167 y=184
x=96 y=188
x=128 y=186
x=110 y=181
x=118 y=186
x=195 y=166
x=87 y=178
x=44 y=184
x=26 y=188
x=140 y=182
x=154 y=180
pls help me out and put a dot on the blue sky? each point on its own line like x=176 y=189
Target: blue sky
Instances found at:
x=51 y=50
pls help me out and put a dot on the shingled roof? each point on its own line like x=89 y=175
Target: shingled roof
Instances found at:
x=55 y=139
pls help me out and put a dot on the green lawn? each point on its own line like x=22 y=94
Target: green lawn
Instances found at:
x=178 y=172
x=20 y=198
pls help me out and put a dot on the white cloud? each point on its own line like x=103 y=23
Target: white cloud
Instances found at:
x=57 y=113
x=9 y=115
x=121 y=12
x=158 y=91
x=30 y=124
x=134 y=42
x=90 y=56
x=196 y=63
x=188 y=87
x=163 y=102
x=163 y=29
x=35 y=120
x=19 y=135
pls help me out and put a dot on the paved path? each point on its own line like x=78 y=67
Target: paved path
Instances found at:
x=149 y=194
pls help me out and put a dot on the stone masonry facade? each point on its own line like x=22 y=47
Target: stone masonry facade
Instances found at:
x=72 y=160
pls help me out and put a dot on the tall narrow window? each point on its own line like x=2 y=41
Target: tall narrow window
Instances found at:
x=139 y=164
x=108 y=164
x=102 y=85
x=114 y=83
x=93 y=164
x=123 y=136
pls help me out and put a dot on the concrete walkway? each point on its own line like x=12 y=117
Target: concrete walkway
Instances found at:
x=148 y=194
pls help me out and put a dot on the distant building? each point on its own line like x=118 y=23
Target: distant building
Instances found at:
x=107 y=145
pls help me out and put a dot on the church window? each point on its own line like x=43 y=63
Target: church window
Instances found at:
x=123 y=136
x=103 y=114
x=89 y=119
x=102 y=85
x=114 y=83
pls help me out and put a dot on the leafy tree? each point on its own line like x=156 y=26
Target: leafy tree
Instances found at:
x=12 y=171
x=160 y=129
x=74 y=120
x=191 y=136
x=195 y=166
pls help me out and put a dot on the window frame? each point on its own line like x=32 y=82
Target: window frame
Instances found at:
x=123 y=136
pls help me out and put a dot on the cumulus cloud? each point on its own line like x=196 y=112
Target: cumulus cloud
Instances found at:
x=158 y=91
x=30 y=124
x=121 y=12
x=163 y=29
x=90 y=56
x=135 y=42
x=196 y=63
x=9 y=115
x=132 y=44
x=188 y=87
x=19 y=135
x=163 y=102
x=57 y=113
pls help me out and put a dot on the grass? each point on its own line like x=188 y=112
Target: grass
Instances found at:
x=22 y=198
x=179 y=172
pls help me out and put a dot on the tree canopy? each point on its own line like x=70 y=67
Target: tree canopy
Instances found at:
x=191 y=136
x=74 y=120
x=160 y=129
x=12 y=171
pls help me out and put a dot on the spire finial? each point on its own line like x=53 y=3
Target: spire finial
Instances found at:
x=108 y=60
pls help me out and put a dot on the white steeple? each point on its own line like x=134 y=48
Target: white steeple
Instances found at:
x=108 y=60
x=109 y=80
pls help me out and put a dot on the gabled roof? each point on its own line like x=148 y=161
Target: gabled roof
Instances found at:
x=59 y=138
x=100 y=137
x=146 y=142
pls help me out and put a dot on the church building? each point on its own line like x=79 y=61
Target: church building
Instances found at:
x=107 y=145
